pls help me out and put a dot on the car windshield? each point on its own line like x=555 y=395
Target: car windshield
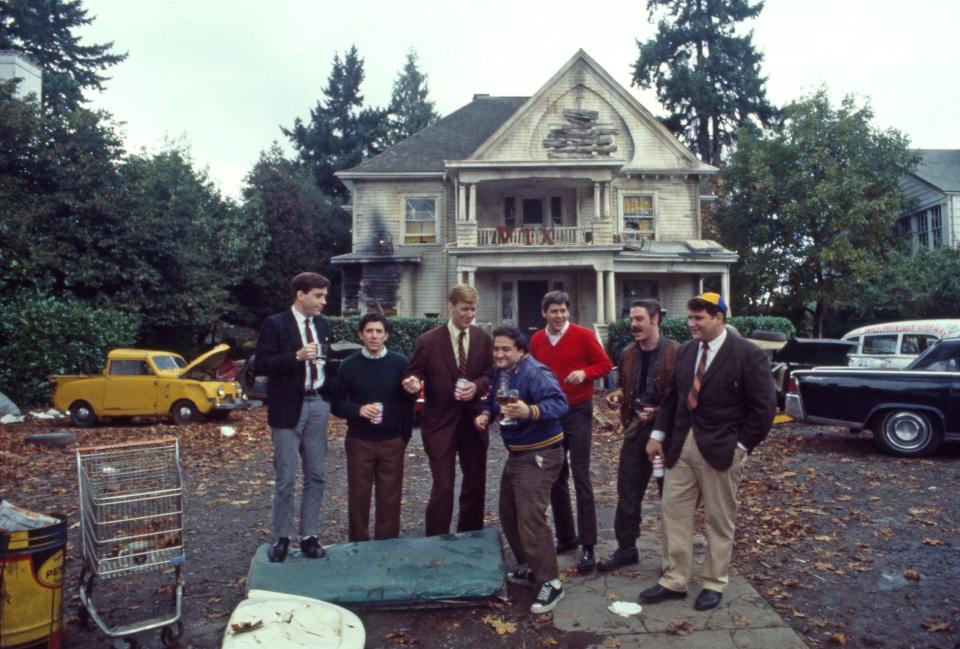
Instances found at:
x=169 y=362
x=941 y=357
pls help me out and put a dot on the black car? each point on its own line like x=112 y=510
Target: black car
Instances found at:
x=805 y=354
x=911 y=411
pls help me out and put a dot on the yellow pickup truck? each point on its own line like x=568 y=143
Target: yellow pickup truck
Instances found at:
x=138 y=382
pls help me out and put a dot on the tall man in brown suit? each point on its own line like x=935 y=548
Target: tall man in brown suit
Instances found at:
x=718 y=407
x=442 y=356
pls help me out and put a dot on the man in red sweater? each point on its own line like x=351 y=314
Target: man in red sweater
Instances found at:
x=575 y=355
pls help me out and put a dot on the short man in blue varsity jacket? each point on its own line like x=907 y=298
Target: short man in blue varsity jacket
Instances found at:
x=534 y=439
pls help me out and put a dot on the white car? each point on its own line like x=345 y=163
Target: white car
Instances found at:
x=896 y=344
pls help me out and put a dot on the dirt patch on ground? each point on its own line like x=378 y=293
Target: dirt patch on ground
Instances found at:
x=851 y=546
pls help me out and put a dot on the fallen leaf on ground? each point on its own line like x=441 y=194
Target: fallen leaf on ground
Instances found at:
x=246 y=627
x=401 y=637
x=929 y=541
x=611 y=641
x=838 y=638
x=933 y=626
x=549 y=642
x=912 y=575
x=498 y=624
x=683 y=628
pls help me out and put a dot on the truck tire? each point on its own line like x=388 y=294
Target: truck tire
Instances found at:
x=82 y=414
x=184 y=412
x=908 y=433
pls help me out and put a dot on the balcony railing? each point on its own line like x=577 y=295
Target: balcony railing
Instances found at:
x=533 y=236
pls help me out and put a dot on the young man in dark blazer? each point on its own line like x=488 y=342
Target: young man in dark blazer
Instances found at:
x=442 y=356
x=290 y=352
x=718 y=407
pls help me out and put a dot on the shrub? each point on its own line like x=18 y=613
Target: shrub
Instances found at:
x=619 y=336
x=402 y=337
x=43 y=335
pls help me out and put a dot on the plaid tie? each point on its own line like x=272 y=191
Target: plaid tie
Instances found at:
x=462 y=355
x=310 y=364
x=694 y=395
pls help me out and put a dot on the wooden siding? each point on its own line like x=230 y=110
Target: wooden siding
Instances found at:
x=638 y=140
x=675 y=205
x=378 y=207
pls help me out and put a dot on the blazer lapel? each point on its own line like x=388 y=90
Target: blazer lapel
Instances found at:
x=718 y=360
x=446 y=350
x=294 y=330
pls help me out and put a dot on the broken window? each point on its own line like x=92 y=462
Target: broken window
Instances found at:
x=420 y=220
x=638 y=217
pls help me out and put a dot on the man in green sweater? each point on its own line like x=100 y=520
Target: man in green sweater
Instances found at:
x=379 y=414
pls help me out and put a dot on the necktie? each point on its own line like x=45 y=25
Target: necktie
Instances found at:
x=694 y=395
x=311 y=365
x=462 y=354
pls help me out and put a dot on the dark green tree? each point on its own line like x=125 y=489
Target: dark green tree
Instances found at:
x=705 y=74
x=410 y=109
x=810 y=207
x=341 y=132
x=46 y=30
x=305 y=229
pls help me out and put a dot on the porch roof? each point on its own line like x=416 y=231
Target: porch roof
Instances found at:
x=940 y=168
x=375 y=258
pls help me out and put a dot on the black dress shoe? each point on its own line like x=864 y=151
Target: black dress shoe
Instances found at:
x=620 y=557
x=658 y=593
x=567 y=545
x=310 y=547
x=278 y=551
x=707 y=599
x=586 y=562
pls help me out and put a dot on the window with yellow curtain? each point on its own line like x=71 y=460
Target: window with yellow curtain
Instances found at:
x=420 y=222
x=638 y=217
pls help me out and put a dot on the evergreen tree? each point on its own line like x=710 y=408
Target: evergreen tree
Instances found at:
x=46 y=31
x=305 y=229
x=410 y=110
x=706 y=75
x=341 y=133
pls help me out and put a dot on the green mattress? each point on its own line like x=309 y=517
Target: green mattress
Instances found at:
x=452 y=569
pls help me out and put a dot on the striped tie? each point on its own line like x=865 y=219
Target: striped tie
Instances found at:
x=694 y=395
x=462 y=355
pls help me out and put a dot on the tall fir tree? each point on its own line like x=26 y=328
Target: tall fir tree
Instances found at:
x=341 y=132
x=410 y=109
x=706 y=75
x=47 y=32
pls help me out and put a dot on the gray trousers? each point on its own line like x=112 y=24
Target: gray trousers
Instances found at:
x=308 y=439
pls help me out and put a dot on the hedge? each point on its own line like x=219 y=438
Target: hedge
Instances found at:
x=42 y=335
x=619 y=336
x=403 y=335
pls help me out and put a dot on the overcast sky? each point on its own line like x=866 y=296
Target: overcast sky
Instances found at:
x=223 y=76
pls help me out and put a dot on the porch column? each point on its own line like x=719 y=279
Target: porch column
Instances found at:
x=608 y=200
x=700 y=285
x=596 y=202
x=611 y=297
x=462 y=202
x=472 y=209
x=472 y=278
x=725 y=290
x=600 y=313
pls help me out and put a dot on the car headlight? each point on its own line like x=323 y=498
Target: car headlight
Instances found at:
x=221 y=392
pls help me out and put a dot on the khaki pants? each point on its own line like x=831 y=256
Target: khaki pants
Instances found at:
x=691 y=480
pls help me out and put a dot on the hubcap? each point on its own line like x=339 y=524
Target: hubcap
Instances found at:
x=907 y=430
x=83 y=413
x=184 y=412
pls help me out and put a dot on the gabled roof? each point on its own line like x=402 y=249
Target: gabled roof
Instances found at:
x=454 y=137
x=940 y=168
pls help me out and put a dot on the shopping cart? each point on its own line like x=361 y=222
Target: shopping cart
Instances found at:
x=131 y=518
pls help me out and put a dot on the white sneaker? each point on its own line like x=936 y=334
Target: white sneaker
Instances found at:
x=547 y=598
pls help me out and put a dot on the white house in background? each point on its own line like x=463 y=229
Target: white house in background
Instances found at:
x=578 y=187
x=15 y=65
x=934 y=190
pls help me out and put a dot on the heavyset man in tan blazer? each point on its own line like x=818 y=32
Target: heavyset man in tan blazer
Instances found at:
x=718 y=407
x=456 y=350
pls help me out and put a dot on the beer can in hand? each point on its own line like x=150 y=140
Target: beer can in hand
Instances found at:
x=657 y=466
x=379 y=418
x=458 y=390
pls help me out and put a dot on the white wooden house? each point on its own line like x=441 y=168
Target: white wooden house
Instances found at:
x=578 y=187
x=933 y=190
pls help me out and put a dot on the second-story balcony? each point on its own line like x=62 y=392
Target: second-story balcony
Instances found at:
x=529 y=235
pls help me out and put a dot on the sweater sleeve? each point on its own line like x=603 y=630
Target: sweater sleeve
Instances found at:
x=343 y=404
x=598 y=363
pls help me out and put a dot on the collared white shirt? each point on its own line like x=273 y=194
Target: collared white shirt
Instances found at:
x=712 y=348
x=555 y=338
x=366 y=354
x=301 y=319
x=455 y=339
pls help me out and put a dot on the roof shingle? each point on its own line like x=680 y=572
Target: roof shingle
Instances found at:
x=940 y=168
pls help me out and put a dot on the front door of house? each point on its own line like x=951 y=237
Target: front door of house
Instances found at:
x=529 y=295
